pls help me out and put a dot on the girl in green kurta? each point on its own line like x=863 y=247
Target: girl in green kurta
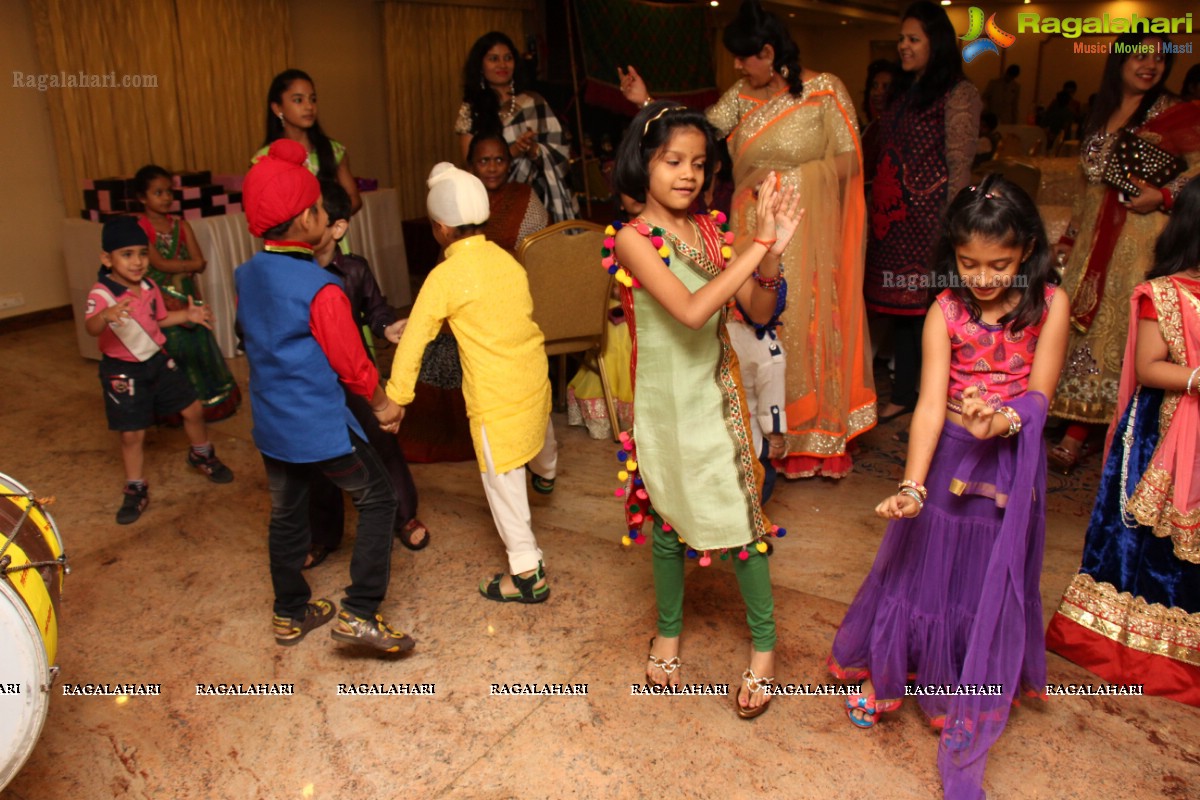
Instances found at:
x=694 y=475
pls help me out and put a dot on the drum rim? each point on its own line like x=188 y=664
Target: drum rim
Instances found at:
x=20 y=487
x=41 y=708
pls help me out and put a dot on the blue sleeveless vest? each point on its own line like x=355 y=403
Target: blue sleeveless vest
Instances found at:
x=298 y=405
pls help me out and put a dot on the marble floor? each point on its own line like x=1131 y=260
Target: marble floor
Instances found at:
x=182 y=598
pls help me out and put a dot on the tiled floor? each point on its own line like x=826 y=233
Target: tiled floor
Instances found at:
x=183 y=597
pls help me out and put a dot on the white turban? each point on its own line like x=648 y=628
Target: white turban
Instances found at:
x=456 y=197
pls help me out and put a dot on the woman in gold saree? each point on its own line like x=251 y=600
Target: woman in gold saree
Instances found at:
x=802 y=124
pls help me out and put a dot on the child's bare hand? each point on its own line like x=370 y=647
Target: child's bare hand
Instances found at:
x=787 y=218
x=201 y=315
x=766 y=205
x=390 y=417
x=117 y=314
x=394 y=331
x=898 y=506
x=632 y=86
x=776 y=447
x=976 y=414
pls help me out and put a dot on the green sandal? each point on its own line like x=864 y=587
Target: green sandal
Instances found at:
x=541 y=485
x=526 y=593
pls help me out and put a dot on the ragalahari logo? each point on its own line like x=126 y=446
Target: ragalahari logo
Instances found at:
x=995 y=38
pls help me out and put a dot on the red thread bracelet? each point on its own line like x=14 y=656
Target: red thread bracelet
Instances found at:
x=766 y=242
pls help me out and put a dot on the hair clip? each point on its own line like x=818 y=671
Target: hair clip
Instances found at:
x=658 y=116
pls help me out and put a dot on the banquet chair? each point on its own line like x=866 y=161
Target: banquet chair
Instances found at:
x=570 y=296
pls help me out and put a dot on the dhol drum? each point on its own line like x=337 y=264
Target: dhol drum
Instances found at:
x=32 y=566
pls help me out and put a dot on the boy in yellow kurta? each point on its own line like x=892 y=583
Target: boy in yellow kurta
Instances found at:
x=484 y=294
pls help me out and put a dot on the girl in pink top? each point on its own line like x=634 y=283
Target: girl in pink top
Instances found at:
x=953 y=599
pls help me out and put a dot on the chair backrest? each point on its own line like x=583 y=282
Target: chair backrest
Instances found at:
x=569 y=287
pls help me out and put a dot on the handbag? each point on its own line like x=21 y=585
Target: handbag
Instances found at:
x=1132 y=156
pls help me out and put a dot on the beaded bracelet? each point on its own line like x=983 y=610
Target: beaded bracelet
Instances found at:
x=916 y=487
x=1014 y=421
x=908 y=491
x=770 y=284
x=1191 y=380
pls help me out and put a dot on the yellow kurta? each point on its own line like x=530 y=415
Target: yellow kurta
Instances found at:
x=484 y=294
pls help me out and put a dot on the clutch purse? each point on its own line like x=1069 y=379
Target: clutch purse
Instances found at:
x=1134 y=157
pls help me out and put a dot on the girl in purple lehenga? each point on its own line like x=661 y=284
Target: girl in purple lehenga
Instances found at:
x=953 y=598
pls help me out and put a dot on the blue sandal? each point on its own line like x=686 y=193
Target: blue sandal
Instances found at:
x=864 y=703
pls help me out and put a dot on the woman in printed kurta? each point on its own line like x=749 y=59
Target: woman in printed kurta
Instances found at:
x=926 y=143
x=802 y=125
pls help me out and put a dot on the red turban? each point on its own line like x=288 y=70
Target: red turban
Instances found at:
x=278 y=187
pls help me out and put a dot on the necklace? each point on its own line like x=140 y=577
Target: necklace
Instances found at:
x=511 y=111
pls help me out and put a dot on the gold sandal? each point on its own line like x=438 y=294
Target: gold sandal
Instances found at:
x=754 y=684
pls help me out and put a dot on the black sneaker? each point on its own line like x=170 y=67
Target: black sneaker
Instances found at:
x=211 y=466
x=133 y=505
x=370 y=632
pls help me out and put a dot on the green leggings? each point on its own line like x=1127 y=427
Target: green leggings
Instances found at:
x=753 y=576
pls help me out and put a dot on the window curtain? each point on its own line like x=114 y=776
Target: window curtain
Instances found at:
x=210 y=61
x=229 y=50
x=425 y=47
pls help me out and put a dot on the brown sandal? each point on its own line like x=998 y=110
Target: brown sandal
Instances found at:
x=412 y=528
x=1063 y=459
x=755 y=684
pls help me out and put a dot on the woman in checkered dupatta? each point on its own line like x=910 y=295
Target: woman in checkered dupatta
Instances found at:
x=492 y=102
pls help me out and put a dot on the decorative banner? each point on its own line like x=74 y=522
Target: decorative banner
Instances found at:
x=667 y=44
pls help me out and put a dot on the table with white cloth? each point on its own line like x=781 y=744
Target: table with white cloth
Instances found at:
x=375 y=234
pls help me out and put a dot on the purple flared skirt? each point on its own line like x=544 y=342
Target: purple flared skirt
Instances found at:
x=953 y=601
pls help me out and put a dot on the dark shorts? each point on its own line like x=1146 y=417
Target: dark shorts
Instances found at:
x=136 y=392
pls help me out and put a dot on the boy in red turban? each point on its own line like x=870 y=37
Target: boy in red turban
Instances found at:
x=302 y=345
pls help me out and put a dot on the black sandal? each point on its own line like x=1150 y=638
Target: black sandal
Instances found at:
x=526 y=593
x=407 y=533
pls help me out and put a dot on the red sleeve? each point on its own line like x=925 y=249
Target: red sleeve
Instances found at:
x=1146 y=308
x=146 y=226
x=332 y=325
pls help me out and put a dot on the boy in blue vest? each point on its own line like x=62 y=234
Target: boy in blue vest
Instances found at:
x=302 y=344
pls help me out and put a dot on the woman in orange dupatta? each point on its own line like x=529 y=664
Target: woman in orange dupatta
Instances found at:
x=1132 y=614
x=803 y=125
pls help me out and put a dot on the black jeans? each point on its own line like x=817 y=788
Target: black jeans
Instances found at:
x=326 y=513
x=362 y=475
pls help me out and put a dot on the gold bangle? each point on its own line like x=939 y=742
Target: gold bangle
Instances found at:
x=916 y=487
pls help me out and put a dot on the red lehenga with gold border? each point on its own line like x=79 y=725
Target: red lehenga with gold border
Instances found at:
x=811 y=141
x=1132 y=614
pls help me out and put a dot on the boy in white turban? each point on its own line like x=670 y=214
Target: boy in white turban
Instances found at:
x=484 y=295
